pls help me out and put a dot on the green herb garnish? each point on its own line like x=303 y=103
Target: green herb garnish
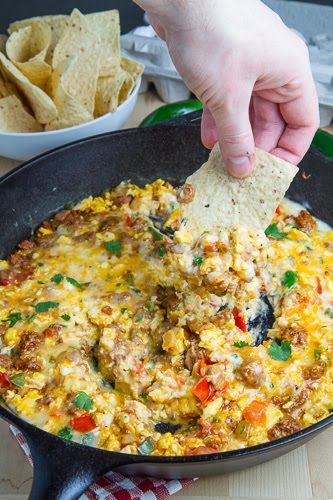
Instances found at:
x=197 y=260
x=274 y=232
x=123 y=310
x=143 y=395
x=317 y=353
x=329 y=313
x=73 y=282
x=241 y=343
x=18 y=379
x=45 y=306
x=83 y=401
x=146 y=447
x=280 y=352
x=156 y=234
x=65 y=317
x=289 y=279
x=161 y=250
x=113 y=246
x=149 y=306
x=57 y=278
x=65 y=433
x=13 y=318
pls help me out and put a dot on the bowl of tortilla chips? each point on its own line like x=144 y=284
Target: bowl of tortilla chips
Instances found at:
x=63 y=78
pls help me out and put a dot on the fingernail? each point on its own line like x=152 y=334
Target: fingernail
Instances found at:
x=240 y=166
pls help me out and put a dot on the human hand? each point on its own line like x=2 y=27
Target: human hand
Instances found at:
x=250 y=71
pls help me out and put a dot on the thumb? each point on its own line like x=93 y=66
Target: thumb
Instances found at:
x=234 y=133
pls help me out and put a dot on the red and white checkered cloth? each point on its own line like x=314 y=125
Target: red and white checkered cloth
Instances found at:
x=115 y=486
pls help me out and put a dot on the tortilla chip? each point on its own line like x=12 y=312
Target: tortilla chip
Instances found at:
x=70 y=111
x=3 y=41
x=81 y=46
x=221 y=201
x=41 y=104
x=107 y=94
x=27 y=49
x=14 y=118
x=58 y=25
x=106 y=26
x=134 y=70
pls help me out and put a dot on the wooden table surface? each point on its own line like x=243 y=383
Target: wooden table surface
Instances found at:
x=306 y=473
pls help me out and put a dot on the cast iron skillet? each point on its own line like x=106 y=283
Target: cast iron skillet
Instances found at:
x=37 y=189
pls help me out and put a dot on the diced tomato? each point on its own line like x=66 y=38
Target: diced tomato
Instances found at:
x=255 y=413
x=4 y=381
x=128 y=220
x=319 y=287
x=278 y=211
x=203 y=390
x=84 y=423
x=201 y=450
x=239 y=320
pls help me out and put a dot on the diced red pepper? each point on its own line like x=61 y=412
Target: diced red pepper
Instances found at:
x=319 y=287
x=84 y=423
x=255 y=413
x=278 y=211
x=203 y=390
x=4 y=381
x=239 y=320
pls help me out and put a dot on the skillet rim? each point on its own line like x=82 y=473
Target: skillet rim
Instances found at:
x=26 y=426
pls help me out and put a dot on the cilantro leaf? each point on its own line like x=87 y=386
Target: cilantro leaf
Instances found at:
x=65 y=317
x=45 y=306
x=57 y=278
x=280 y=352
x=74 y=282
x=197 y=261
x=13 y=318
x=156 y=234
x=113 y=246
x=18 y=379
x=273 y=231
x=83 y=401
x=241 y=343
x=289 y=279
x=65 y=433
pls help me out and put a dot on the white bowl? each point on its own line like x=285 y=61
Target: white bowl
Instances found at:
x=23 y=146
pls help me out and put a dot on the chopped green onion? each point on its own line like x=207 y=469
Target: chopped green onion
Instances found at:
x=45 y=306
x=280 y=352
x=65 y=317
x=146 y=447
x=65 y=433
x=156 y=234
x=197 y=261
x=18 y=379
x=83 y=401
x=113 y=246
x=289 y=279
x=274 y=232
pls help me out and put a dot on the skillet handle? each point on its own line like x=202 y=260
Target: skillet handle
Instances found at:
x=63 y=470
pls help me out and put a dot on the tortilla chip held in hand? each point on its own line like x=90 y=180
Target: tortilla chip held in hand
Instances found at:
x=222 y=201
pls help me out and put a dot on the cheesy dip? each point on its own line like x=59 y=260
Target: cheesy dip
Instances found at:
x=117 y=330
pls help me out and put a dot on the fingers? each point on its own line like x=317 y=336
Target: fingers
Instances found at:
x=302 y=118
x=234 y=132
x=267 y=123
x=208 y=129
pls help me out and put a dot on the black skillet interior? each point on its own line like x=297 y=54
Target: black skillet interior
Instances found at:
x=42 y=186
